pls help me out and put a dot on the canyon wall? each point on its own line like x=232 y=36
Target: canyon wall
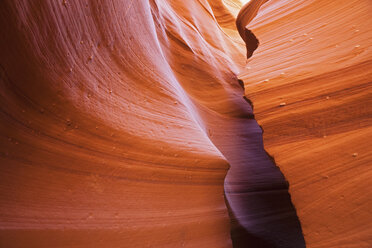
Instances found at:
x=123 y=123
x=310 y=82
x=114 y=120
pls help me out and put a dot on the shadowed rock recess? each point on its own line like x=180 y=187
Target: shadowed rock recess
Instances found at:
x=124 y=123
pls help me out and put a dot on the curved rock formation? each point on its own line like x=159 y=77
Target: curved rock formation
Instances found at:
x=310 y=82
x=113 y=119
x=101 y=145
x=123 y=124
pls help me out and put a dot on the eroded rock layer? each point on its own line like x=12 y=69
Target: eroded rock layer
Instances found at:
x=122 y=123
x=310 y=82
x=118 y=122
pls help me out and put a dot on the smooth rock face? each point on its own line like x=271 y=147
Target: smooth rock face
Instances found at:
x=315 y=56
x=101 y=145
x=123 y=123
x=114 y=120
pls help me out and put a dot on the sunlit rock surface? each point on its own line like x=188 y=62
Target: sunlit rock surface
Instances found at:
x=123 y=123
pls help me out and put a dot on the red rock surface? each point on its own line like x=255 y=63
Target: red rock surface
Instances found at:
x=120 y=120
x=315 y=60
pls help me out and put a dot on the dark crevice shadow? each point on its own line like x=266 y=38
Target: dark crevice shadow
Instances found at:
x=256 y=192
x=251 y=42
x=240 y=236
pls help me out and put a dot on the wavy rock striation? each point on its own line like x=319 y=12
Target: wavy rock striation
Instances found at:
x=119 y=120
x=310 y=81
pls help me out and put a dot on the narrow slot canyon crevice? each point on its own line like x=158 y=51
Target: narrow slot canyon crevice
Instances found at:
x=130 y=124
x=255 y=188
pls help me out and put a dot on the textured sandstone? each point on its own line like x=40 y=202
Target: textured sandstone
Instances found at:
x=123 y=123
x=321 y=139
x=114 y=118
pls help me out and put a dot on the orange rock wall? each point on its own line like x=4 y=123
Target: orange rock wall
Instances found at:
x=101 y=146
x=315 y=57
x=122 y=124
x=119 y=122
